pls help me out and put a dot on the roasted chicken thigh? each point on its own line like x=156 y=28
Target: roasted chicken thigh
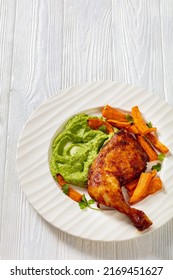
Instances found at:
x=120 y=160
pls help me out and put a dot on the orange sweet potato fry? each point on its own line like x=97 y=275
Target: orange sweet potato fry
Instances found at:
x=73 y=194
x=109 y=112
x=155 y=185
x=133 y=129
x=148 y=148
x=95 y=123
x=130 y=193
x=132 y=185
x=141 y=188
x=60 y=180
x=153 y=173
x=119 y=124
x=157 y=144
x=140 y=123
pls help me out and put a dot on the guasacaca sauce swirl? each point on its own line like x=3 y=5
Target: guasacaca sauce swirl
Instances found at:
x=74 y=149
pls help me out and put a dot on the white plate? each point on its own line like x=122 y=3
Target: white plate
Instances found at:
x=41 y=189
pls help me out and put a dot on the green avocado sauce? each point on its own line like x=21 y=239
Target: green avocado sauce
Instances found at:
x=74 y=150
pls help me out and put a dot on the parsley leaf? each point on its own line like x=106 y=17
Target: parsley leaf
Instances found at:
x=84 y=203
x=149 y=124
x=103 y=128
x=129 y=118
x=161 y=157
x=156 y=167
x=65 y=188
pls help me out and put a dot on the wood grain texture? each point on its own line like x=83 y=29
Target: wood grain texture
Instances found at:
x=46 y=46
x=137 y=37
x=167 y=41
x=87 y=42
x=7 y=11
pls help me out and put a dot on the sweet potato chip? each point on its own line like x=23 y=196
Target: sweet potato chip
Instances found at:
x=155 y=185
x=141 y=189
x=133 y=129
x=73 y=194
x=132 y=185
x=140 y=123
x=119 y=124
x=109 y=112
x=148 y=148
x=95 y=123
x=157 y=144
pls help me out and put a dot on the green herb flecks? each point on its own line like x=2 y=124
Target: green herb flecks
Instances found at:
x=157 y=167
x=149 y=124
x=103 y=128
x=161 y=157
x=129 y=118
x=84 y=203
x=65 y=188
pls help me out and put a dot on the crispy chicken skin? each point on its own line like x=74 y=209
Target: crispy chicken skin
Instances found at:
x=121 y=160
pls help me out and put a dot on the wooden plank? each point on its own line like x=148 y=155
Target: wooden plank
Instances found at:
x=33 y=77
x=7 y=22
x=166 y=8
x=137 y=44
x=87 y=42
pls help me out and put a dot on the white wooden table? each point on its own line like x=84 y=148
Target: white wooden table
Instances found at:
x=46 y=46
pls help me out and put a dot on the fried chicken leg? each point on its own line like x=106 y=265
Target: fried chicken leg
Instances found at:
x=121 y=160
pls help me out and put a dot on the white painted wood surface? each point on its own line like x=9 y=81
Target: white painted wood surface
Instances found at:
x=46 y=46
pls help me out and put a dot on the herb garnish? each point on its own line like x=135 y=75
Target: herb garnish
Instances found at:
x=161 y=157
x=65 y=188
x=157 y=167
x=129 y=118
x=84 y=203
x=149 y=124
x=103 y=128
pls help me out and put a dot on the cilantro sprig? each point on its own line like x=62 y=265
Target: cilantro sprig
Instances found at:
x=149 y=124
x=161 y=157
x=84 y=203
x=129 y=118
x=65 y=188
x=103 y=128
x=157 y=167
